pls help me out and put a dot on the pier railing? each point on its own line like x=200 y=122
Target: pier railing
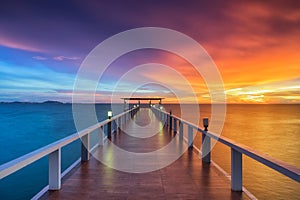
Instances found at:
x=237 y=149
x=53 y=150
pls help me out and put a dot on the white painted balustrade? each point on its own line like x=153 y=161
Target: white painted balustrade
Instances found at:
x=54 y=150
x=237 y=151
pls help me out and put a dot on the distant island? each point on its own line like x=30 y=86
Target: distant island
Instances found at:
x=53 y=102
x=26 y=102
x=46 y=102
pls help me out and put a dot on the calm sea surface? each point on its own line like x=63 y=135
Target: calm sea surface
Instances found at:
x=271 y=129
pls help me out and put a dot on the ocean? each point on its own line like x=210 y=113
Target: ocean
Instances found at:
x=271 y=129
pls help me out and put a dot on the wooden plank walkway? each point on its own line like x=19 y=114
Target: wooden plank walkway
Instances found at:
x=186 y=178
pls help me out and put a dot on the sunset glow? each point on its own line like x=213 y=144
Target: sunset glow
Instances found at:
x=254 y=44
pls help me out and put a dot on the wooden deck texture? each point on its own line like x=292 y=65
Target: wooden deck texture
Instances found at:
x=186 y=178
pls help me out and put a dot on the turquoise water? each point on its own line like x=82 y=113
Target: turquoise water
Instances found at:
x=272 y=129
x=27 y=127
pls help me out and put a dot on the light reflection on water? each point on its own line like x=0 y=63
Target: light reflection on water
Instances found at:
x=270 y=129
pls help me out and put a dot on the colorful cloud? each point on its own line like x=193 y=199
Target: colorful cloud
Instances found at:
x=255 y=45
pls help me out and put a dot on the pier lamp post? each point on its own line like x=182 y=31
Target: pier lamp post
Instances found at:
x=205 y=143
x=205 y=124
x=109 y=114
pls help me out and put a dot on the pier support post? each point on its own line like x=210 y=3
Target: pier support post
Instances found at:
x=190 y=136
x=55 y=170
x=85 y=147
x=236 y=171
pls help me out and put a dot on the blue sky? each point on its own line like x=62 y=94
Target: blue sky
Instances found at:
x=254 y=44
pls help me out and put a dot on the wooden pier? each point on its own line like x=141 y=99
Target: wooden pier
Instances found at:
x=191 y=176
x=186 y=178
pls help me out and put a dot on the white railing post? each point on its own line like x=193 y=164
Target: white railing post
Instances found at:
x=55 y=170
x=85 y=147
x=101 y=136
x=109 y=130
x=206 y=146
x=119 y=124
x=170 y=120
x=180 y=130
x=190 y=136
x=122 y=122
x=166 y=119
x=175 y=125
x=115 y=126
x=206 y=142
x=236 y=170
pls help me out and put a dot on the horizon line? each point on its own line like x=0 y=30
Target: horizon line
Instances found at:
x=167 y=103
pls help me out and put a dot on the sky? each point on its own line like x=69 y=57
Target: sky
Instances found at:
x=254 y=44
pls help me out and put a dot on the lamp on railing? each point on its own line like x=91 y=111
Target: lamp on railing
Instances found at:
x=109 y=114
x=205 y=124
